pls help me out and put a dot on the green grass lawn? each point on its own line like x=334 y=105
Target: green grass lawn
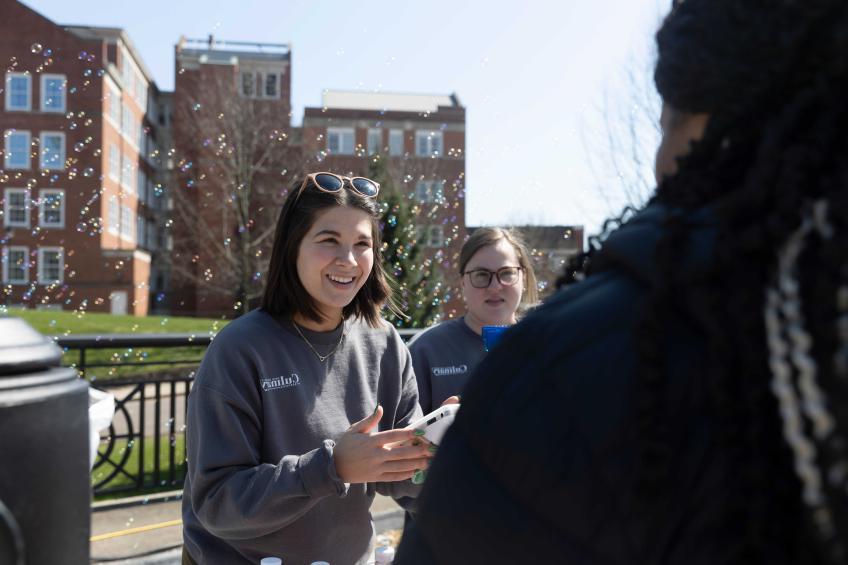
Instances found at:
x=53 y=323
x=73 y=323
x=131 y=466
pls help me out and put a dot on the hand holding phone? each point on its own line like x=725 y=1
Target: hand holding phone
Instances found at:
x=436 y=423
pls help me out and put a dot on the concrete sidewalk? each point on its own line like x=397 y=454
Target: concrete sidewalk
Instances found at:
x=146 y=529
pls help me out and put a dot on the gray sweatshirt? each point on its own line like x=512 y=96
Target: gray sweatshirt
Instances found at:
x=444 y=357
x=262 y=419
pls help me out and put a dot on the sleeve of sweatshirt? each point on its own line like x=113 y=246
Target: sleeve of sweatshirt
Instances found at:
x=421 y=366
x=407 y=412
x=233 y=493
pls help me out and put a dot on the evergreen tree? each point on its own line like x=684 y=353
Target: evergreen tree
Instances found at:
x=418 y=286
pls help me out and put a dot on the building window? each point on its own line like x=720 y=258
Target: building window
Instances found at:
x=260 y=84
x=16 y=265
x=140 y=230
x=375 y=140
x=53 y=93
x=114 y=162
x=141 y=92
x=127 y=222
x=127 y=175
x=430 y=191
x=141 y=187
x=126 y=70
x=430 y=236
x=340 y=141
x=51 y=208
x=435 y=236
x=428 y=143
x=51 y=265
x=52 y=150
x=151 y=235
x=115 y=106
x=17 y=149
x=248 y=85
x=114 y=216
x=395 y=142
x=272 y=89
x=128 y=126
x=16 y=208
x=18 y=92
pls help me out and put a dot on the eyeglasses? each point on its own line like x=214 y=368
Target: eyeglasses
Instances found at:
x=329 y=182
x=482 y=278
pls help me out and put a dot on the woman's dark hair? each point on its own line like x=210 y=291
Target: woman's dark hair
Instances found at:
x=772 y=167
x=284 y=294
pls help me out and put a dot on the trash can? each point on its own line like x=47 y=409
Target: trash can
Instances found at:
x=45 y=486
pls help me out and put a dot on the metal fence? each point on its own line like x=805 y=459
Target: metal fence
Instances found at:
x=144 y=449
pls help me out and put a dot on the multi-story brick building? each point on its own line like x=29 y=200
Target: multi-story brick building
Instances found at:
x=91 y=147
x=80 y=166
x=422 y=137
x=233 y=159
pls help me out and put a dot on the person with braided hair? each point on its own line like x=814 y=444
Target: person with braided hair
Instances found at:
x=686 y=402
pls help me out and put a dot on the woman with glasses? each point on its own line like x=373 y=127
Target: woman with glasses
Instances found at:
x=497 y=280
x=297 y=413
x=687 y=401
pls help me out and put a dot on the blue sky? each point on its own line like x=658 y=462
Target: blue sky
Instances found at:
x=532 y=74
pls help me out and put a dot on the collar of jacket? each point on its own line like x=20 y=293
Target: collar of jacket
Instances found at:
x=632 y=248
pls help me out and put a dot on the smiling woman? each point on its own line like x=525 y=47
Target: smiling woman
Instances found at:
x=295 y=403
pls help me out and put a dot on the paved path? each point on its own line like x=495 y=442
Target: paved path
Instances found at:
x=140 y=528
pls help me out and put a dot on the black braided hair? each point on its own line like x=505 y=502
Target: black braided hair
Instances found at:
x=773 y=77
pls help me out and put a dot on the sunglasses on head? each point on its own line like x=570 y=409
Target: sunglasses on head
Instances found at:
x=329 y=182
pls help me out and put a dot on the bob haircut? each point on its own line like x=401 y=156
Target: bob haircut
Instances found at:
x=483 y=237
x=284 y=294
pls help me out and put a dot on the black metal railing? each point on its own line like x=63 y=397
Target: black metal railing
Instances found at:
x=144 y=449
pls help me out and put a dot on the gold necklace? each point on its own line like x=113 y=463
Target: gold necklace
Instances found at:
x=321 y=358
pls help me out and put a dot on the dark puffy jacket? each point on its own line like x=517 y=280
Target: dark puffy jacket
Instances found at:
x=539 y=465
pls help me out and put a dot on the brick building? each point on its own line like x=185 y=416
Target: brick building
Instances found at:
x=423 y=139
x=118 y=197
x=233 y=159
x=80 y=166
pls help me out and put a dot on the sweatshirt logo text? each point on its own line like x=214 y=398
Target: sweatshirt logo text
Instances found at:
x=276 y=383
x=450 y=370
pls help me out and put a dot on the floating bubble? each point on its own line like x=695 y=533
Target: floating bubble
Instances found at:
x=48 y=52
x=196 y=107
x=79 y=146
x=82 y=55
x=88 y=172
x=35 y=48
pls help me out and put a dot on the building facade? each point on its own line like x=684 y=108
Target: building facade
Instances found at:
x=422 y=139
x=80 y=167
x=117 y=197
x=233 y=158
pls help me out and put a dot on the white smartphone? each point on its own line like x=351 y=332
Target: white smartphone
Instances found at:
x=436 y=423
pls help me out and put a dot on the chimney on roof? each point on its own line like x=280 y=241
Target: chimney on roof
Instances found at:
x=211 y=41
